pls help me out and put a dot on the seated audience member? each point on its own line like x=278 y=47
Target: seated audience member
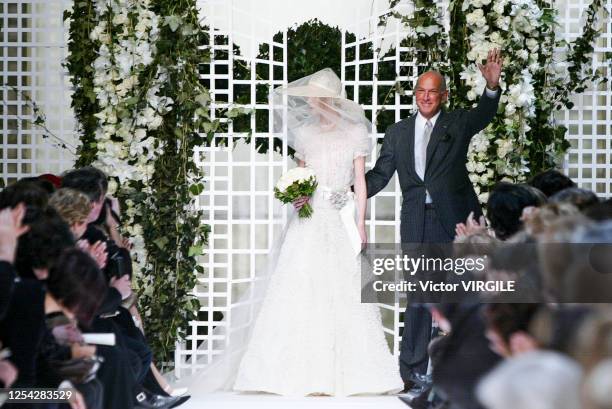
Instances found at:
x=72 y=288
x=580 y=269
x=600 y=211
x=556 y=327
x=505 y=208
x=48 y=235
x=540 y=219
x=581 y=198
x=10 y=230
x=597 y=386
x=74 y=207
x=541 y=197
x=593 y=342
x=535 y=380
x=112 y=317
x=551 y=182
x=29 y=193
x=462 y=356
x=507 y=326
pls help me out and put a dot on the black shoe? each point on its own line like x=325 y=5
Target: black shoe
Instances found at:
x=420 y=401
x=144 y=401
x=408 y=386
x=181 y=399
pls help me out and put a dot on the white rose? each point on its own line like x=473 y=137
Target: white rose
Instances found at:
x=112 y=187
x=532 y=44
x=483 y=197
x=503 y=23
x=138 y=230
x=480 y=167
x=498 y=7
x=470 y=166
x=522 y=54
x=140 y=134
x=471 y=95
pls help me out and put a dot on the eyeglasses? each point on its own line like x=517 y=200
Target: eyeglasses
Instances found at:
x=431 y=92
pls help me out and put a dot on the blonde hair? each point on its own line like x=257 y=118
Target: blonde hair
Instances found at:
x=72 y=205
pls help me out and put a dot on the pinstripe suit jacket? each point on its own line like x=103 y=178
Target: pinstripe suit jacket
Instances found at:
x=446 y=178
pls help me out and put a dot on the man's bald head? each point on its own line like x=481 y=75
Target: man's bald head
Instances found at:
x=430 y=93
x=436 y=76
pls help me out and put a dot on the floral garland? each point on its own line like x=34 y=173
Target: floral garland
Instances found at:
x=142 y=112
x=524 y=137
x=125 y=36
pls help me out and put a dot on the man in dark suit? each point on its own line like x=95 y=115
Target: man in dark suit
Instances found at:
x=429 y=152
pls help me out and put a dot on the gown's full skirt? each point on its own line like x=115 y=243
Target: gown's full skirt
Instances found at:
x=312 y=334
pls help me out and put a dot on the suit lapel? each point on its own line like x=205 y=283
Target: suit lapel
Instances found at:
x=409 y=143
x=440 y=129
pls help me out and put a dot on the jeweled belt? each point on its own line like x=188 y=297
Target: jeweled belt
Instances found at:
x=344 y=201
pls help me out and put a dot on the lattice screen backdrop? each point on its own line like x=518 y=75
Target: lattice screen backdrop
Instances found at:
x=372 y=62
x=32 y=48
x=589 y=123
x=238 y=200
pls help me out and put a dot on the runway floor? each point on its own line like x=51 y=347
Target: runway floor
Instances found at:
x=265 y=401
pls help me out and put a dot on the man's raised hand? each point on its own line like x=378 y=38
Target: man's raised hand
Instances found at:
x=491 y=71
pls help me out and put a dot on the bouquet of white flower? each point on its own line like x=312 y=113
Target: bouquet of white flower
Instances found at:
x=294 y=184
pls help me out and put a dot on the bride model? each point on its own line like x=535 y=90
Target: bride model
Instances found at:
x=312 y=335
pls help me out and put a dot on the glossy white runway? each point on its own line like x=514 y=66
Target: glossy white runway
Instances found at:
x=265 y=401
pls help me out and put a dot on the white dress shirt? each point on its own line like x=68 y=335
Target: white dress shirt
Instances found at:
x=419 y=128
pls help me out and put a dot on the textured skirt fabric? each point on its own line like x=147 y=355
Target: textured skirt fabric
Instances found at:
x=313 y=336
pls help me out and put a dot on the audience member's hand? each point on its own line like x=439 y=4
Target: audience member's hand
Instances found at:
x=77 y=401
x=10 y=230
x=114 y=205
x=82 y=351
x=471 y=226
x=123 y=285
x=300 y=202
x=8 y=373
x=528 y=212
x=125 y=243
x=521 y=342
x=97 y=251
x=67 y=334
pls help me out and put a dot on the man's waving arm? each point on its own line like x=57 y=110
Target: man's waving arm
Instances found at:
x=483 y=114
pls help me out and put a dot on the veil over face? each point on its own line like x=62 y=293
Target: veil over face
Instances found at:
x=317 y=100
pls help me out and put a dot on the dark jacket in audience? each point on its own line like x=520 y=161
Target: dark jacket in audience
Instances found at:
x=461 y=358
x=7 y=279
x=23 y=329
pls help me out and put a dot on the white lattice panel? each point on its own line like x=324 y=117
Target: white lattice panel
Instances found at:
x=589 y=123
x=238 y=200
x=32 y=48
x=373 y=60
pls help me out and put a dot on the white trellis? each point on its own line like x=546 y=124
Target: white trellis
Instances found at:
x=363 y=53
x=589 y=122
x=32 y=48
x=238 y=200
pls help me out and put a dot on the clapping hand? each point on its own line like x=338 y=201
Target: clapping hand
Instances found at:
x=97 y=251
x=471 y=226
x=491 y=71
x=10 y=230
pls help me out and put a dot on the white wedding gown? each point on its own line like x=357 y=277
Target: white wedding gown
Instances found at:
x=313 y=336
